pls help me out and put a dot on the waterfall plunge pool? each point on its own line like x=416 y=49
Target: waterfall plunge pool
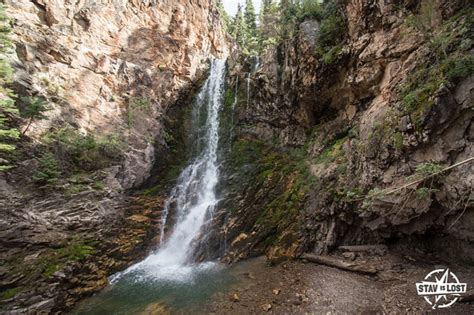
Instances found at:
x=185 y=294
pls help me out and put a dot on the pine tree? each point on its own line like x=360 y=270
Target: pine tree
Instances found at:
x=34 y=110
x=268 y=28
x=250 y=19
x=7 y=98
x=224 y=15
x=239 y=29
x=288 y=16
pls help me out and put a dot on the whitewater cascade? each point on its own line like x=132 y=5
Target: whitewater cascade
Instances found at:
x=193 y=197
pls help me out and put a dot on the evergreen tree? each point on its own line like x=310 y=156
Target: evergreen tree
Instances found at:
x=250 y=19
x=288 y=15
x=224 y=16
x=239 y=28
x=34 y=109
x=7 y=102
x=268 y=28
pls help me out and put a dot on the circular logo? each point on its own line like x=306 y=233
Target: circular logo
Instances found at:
x=441 y=288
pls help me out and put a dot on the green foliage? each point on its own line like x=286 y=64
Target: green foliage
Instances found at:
x=74 y=251
x=331 y=33
x=85 y=152
x=397 y=141
x=372 y=195
x=48 y=171
x=428 y=168
x=223 y=14
x=250 y=19
x=8 y=134
x=288 y=18
x=310 y=9
x=34 y=108
x=268 y=28
x=424 y=193
x=452 y=61
x=9 y=293
x=332 y=153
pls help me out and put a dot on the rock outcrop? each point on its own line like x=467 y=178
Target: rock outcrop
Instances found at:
x=355 y=149
x=113 y=67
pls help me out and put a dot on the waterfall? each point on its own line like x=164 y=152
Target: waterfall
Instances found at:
x=256 y=64
x=193 y=197
x=248 y=89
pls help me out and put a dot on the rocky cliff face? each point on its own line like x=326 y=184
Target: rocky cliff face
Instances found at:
x=110 y=70
x=113 y=67
x=354 y=150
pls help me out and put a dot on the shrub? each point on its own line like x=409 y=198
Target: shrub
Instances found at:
x=450 y=61
x=34 y=108
x=47 y=172
x=428 y=168
x=310 y=9
x=86 y=152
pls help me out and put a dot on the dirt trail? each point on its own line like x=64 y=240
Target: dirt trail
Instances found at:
x=297 y=287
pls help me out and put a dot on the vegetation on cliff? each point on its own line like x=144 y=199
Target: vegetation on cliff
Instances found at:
x=8 y=110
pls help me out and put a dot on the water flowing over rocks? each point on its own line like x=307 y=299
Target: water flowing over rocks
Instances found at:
x=342 y=160
x=116 y=68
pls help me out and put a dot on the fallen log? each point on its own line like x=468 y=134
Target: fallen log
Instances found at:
x=340 y=264
x=379 y=249
x=468 y=296
x=362 y=248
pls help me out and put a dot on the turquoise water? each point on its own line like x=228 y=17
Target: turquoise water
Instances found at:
x=129 y=296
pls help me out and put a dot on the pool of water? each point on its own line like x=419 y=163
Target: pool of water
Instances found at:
x=132 y=295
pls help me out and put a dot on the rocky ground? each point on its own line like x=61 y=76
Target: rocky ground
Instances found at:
x=300 y=287
x=62 y=250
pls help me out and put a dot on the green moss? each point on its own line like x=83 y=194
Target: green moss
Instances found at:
x=332 y=153
x=98 y=185
x=229 y=98
x=447 y=68
x=285 y=176
x=9 y=293
x=73 y=251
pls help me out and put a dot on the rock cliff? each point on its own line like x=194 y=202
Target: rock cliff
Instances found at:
x=113 y=67
x=355 y=147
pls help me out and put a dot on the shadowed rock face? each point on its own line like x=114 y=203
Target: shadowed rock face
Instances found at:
x=347 y=124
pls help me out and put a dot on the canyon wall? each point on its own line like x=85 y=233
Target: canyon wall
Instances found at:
x=352 y=149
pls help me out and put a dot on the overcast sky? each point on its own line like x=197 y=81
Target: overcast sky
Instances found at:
x=231 y=5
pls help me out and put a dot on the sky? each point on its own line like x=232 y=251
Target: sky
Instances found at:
x=231 y=5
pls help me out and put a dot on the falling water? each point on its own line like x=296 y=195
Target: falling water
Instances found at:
x=248 y=89
x=193 y=196
x=256 y=64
